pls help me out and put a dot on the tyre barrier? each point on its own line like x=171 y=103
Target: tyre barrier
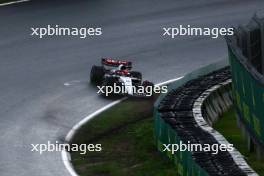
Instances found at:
x=180 y=117
x=215 y=101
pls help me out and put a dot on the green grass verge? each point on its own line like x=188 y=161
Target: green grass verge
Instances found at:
x=126 y=134
x=227 y=126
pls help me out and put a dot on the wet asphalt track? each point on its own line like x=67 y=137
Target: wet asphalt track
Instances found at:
x=36 y=106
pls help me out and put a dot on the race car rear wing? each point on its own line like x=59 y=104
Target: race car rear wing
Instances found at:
x=116 y=63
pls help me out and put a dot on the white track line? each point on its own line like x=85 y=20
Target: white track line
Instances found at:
x=86 y=119
x=169 y=81
x=13 y=2
x=66 y=157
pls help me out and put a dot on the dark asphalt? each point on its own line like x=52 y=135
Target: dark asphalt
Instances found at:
x=36 y=106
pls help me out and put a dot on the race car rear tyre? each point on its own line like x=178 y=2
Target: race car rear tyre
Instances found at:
x=97 y=75
x=136 y=74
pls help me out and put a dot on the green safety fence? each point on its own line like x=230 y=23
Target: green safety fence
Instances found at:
x=184 y=164
x=248 y=92
x=164 y=133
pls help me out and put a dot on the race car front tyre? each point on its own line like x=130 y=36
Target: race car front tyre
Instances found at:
x=97 y=74
x=136 y=74
x=147 y=83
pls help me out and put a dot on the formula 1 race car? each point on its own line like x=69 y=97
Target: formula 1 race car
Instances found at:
x=116 y=77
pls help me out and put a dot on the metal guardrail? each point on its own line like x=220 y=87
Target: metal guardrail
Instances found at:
x=249 y=39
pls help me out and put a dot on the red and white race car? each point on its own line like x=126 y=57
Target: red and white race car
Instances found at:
x=114 y=72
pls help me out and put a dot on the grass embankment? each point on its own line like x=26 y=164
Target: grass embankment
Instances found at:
x=126 y=134
x=227 y=126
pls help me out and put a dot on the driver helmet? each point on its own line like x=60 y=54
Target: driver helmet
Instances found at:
x=122 y=67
